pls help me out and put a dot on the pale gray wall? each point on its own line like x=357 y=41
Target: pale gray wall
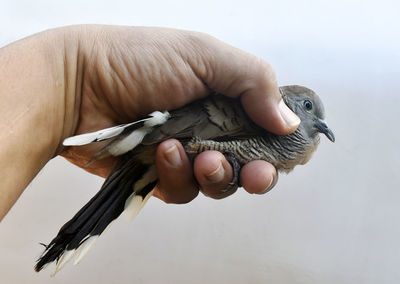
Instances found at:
x=335 y=220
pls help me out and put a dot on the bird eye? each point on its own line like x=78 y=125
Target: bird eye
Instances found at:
x=308 y=105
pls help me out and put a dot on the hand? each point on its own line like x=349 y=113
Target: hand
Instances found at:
x=100 y=76
x=129 y=72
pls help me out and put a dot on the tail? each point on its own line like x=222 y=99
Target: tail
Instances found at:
x=128 y=187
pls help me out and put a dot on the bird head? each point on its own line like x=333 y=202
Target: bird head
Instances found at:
x=309 y=108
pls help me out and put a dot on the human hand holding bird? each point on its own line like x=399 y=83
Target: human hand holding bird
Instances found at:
x=79 y=79
x=133 y=72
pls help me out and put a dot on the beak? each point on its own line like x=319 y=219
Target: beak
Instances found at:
x=323 y=128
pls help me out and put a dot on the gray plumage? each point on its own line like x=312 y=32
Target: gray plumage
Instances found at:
x=214 y=123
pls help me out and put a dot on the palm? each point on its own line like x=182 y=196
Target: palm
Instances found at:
x=111 y=96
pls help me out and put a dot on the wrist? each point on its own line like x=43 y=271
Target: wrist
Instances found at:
x=32 y=112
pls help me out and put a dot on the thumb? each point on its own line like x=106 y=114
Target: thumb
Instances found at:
x=235 y=73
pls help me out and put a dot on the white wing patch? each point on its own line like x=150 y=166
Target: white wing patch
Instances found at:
x=129 y=142
x=155 y=118
x=136 y=137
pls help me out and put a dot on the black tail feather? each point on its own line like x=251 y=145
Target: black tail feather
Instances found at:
x=100 y=211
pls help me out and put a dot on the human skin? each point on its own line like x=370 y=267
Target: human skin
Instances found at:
x=78 y=79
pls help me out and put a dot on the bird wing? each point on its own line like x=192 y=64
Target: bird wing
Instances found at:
x=216 y=117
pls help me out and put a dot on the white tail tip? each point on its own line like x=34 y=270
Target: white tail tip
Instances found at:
x=134 y=205
x=63 y=260
x=84 y=248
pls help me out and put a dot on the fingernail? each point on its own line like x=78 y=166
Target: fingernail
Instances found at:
x=217 y=175
x=272 y=183
x=173 y=156
x=291 y=119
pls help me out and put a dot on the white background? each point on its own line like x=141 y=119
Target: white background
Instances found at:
x=335 y=220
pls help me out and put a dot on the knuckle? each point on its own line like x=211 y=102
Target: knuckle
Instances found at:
x=265 y=72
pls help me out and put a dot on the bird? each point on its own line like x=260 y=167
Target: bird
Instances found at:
x=216 y=122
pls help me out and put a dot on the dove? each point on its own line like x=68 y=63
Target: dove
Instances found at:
x=217 y=123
